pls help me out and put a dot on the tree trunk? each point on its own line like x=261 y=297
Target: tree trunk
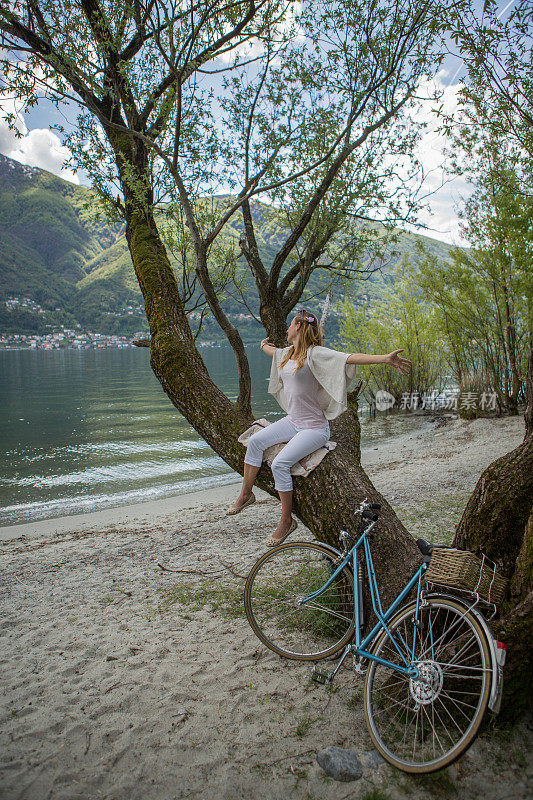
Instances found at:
x=174 y=357
x=274 y=321
x=325 y=501
x=498 y=521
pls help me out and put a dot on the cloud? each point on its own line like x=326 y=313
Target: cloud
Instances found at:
x=445 y=197
x=8 y=140
x=8 y=137
x=286 y=25
x=42 y=148
x=39 y=147
x=440 y=194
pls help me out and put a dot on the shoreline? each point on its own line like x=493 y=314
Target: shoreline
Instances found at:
x=130 y=671
x=119 y=345
x=148 y=510
x=134 y=513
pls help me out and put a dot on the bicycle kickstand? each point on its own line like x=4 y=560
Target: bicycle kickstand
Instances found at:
x=324 y=676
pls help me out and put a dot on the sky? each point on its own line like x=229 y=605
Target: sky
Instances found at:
x=40 y=146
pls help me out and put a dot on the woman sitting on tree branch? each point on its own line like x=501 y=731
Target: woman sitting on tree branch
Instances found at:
x=310 y=383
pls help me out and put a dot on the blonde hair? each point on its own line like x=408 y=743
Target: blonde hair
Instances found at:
x=309 y=336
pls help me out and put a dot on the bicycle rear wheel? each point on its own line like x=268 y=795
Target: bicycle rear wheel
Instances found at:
x=424 y=725
x=277 y=582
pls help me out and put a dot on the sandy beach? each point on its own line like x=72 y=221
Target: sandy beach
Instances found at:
x=129 y=670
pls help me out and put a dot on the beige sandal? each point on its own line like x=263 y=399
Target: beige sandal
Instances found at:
x=271 y=542
x=249 y=502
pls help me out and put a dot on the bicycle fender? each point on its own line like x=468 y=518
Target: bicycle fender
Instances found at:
x=328 y=547
x=334 y=552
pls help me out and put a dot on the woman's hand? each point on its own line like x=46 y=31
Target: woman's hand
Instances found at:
x=266 y=341
x=403 y=365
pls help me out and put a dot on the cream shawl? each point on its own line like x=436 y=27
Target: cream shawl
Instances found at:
x=331 y=371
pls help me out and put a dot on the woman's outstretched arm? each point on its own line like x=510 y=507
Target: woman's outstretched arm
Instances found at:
x=403 y=365
x=267 y=347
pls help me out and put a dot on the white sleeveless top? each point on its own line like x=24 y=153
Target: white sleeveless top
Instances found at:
x=331 y=371
x=301 y=390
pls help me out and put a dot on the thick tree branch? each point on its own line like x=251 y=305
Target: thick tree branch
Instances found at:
x=250 y=248
x=324 y=185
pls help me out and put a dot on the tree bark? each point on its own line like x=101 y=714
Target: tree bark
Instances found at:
x=244 y=400
x=498 y=521
x=325 y=501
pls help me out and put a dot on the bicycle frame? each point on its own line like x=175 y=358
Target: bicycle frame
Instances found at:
x=353 y=558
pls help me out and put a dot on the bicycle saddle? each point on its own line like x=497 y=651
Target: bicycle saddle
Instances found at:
x=425 y=547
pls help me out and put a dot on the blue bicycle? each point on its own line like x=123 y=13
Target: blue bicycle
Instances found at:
x=432 y=665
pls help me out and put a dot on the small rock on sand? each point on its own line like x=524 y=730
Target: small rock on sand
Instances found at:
x=342 y=765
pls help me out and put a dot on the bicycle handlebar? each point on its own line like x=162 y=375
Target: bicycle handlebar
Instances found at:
x=365 y=510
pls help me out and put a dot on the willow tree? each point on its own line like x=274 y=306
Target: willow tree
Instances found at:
x=498 y=521
x=306 y=88
x=404 y=313
x=155 y=124
x=484 y=293
x=496 y=48
x=495 y=116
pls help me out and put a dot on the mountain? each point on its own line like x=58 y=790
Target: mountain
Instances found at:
x=49 y=241
x=79 y=272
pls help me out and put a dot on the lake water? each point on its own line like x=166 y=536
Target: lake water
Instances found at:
x=83 y=430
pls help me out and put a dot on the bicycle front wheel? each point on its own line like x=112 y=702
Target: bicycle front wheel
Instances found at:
x=423 y=725
x=276 y=585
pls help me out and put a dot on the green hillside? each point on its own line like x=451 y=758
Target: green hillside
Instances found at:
x=80 y=272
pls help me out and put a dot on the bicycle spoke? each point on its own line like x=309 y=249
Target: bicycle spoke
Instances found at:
x=443 y=726
x=425 y=721
x=459 y=691
x=396 y=683
x=446 y=633
x=447 y=664
x=458 y=704
x=435 y=735
x=443 y=704
x=273 y=601
x=415 y=736
x=393 y=701
x=471 y=643
x=318 y=607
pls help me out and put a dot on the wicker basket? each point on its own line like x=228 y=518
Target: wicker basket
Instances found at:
x=461 y=569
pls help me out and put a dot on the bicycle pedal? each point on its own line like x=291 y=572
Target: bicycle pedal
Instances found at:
x=321 y=676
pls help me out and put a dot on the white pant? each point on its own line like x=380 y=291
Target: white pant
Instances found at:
x=300 y=442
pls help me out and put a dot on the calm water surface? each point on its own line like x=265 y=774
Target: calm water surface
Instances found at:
x=90 y=429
